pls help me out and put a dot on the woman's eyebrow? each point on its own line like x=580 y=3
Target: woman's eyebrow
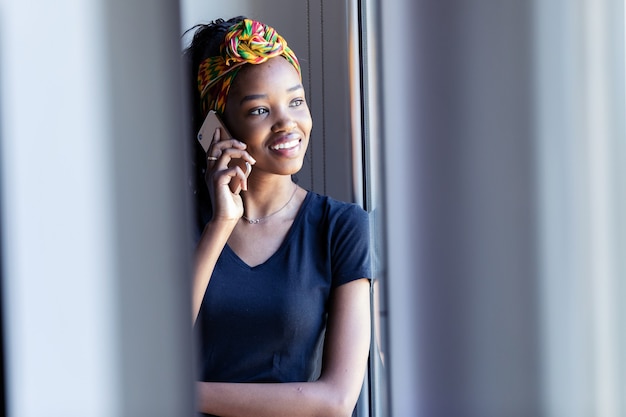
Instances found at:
x=252 y=97
x=294 y=88
x=264 y=96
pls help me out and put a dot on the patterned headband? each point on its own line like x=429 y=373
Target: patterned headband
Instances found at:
x=247 y=42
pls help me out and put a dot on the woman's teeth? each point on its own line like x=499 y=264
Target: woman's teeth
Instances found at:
x=286 y=145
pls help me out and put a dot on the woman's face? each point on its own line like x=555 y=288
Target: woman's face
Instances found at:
x=267 y=109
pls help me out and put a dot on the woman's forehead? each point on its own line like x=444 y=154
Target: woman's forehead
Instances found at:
x=270 y=74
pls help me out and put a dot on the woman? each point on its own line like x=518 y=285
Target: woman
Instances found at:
x=280 y=271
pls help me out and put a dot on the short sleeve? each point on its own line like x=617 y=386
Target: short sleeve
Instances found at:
x=350 y=245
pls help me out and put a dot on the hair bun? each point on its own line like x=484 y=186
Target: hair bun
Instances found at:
x=252 y=42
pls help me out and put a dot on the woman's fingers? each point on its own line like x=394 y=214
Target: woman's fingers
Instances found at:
x=233 y=153
x=228 y=164
x=232 y=166
x=214 y=139
x=226 y=155
x=217 y=148
x=226 y=150
x=234 y=177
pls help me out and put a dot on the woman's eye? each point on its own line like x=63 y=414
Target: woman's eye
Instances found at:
x=258 y=112
x=297 y=102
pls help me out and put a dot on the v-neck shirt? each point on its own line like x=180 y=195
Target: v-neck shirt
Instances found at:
x=266 y=323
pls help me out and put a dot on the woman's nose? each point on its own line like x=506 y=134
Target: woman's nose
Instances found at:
x=284 y=124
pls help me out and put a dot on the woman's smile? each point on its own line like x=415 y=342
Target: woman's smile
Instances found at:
x=287 y=147
x=267 y=110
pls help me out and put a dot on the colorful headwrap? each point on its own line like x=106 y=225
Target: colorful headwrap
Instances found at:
x=247 y=42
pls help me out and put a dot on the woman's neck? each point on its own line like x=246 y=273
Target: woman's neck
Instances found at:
x=266 y=197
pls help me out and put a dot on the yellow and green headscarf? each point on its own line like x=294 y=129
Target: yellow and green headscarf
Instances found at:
x=246 y=42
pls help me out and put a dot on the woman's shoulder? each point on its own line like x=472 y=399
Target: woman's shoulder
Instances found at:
x=333 y=210
x=331 y=204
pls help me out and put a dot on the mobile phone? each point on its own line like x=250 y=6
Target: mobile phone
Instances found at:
x=205 y=137
x=207 y=130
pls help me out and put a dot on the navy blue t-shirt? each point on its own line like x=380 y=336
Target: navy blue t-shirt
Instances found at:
x=265 y=323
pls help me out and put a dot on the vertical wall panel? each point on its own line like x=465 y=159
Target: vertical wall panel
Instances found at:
x=95 y=226
x=152 y=246
x=459 y=204
x=581 y=154
x=59 y=267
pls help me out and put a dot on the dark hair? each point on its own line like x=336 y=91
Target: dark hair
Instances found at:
x=205 y=43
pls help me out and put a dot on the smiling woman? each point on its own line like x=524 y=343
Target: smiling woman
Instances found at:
x=280 y=271
x=266 y=98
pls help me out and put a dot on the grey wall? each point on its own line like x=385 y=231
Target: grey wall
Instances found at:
x=460 y=195
x=504 y=153
x=95 y=217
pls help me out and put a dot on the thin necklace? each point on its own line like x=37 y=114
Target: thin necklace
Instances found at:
x=257 y=221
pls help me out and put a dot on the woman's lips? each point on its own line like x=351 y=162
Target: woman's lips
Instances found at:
x=286 y=145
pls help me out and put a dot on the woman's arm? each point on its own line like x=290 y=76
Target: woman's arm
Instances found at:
x=227 y=210
x=212 y=242
x=335 y=393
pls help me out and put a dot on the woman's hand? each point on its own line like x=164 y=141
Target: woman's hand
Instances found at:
x=225 y=180
x=227 y=209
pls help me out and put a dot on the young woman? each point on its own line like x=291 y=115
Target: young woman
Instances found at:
x=281 y=282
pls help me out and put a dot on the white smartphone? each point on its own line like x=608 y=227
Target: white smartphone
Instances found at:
x=205 y=137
